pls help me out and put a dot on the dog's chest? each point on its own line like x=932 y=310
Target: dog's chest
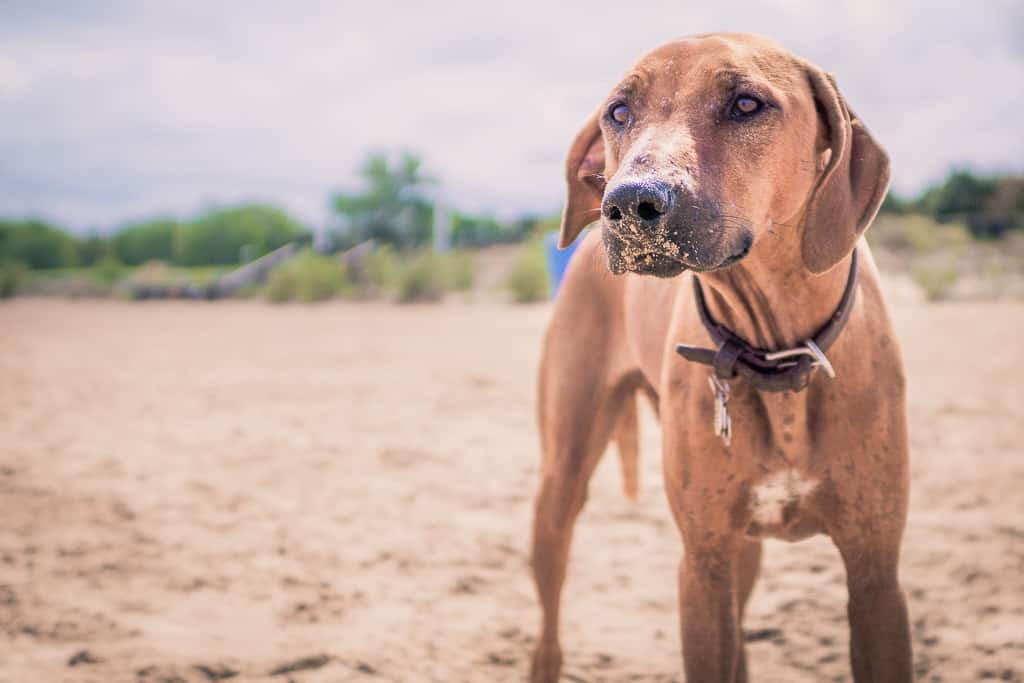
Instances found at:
x=770 y=499
x=778 y=505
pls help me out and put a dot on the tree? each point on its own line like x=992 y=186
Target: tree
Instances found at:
x=151 y=240
x=217 y=237
x=989 y=205
x=1003 y=209
x=961 y=194
x=394 y=207
x=37 y=244
x=93 y=248
x=474 y=231
x=479 y=231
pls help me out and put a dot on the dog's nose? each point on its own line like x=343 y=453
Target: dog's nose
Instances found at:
x=642 y=201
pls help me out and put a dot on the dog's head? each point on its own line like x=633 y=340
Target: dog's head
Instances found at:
x=711 y=143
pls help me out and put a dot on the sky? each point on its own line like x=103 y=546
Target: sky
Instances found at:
x=112 y=112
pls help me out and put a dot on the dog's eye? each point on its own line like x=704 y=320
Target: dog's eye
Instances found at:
x=744 y=105
x=619 y=113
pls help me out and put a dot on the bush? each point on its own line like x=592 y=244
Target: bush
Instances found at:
x=392 y=209
x=12 y=278
x=146 y=241
x=424 y=278
x=109 y=270
x=461 y=271
x=153 y=272
x=37 y=244
x=961 y=193
x=528 y=279
x=92 y=248
x=382 y=269
x=936 y=281
x=916 y=234
x=218 y=236
x=419 y=276
x=308 y=277
x=991 y=226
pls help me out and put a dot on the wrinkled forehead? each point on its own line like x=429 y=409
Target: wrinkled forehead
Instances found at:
x=710 y=64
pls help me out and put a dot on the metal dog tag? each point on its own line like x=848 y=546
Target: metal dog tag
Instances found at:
x=723 y=424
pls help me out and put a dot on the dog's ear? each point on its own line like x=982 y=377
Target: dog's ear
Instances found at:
x=584 y=177
x=853 y=182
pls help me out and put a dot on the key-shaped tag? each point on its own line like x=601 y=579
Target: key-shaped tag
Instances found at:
x=723 y=424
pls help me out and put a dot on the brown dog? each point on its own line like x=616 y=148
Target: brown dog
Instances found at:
x=726 y=160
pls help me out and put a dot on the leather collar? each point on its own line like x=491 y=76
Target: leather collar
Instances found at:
x=785 y=370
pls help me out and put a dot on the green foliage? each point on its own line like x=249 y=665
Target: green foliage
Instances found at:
x=307 y=277
x=1002 y=210
x=474 y=231
x=202 y=275
x=417 y=276
x=461 y=271
x=156 y=273
x=13 y=275
x=37 y=244
x=916 y=234
x=110 y=276
x=479 y=231
x=962 y=193
x=93 y=248
x=153 y=240
x=382 y=269
x=217 y=237
x=392 y=209
x=109 y=270
x=250 y=291
x=937 y=281
x=989 y=206
x=528 y=279
x=424 y=278
x=69 y=282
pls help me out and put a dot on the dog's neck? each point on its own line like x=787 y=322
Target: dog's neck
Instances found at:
x=775 y=302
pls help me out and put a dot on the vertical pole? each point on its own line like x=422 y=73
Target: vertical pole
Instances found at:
x=442 y=227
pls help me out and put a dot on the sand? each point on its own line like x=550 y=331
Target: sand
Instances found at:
x=341 y=492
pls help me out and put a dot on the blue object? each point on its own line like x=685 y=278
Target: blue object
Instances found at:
x=558 y=260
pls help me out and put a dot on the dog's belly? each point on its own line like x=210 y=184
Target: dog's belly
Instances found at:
x=779 y=507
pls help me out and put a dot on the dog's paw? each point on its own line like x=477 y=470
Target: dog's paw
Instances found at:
x=547 y=664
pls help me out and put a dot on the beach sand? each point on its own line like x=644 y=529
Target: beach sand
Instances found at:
x=342 y=492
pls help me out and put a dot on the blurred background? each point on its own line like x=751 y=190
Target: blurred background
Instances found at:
x=201 y=137
x=197 y=490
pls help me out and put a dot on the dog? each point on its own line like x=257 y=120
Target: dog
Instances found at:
x=731 y=186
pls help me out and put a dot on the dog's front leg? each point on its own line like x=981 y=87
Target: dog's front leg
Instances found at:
x=866 y=519
x=880 y=650
x=709 y=613
x=719 y=566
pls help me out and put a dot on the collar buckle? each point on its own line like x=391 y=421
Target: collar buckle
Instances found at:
x=808 y=349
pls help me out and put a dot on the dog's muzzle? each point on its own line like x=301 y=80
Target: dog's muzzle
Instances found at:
x=654 y=228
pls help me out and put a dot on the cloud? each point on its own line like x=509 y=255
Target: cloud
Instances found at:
x=110 y=112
